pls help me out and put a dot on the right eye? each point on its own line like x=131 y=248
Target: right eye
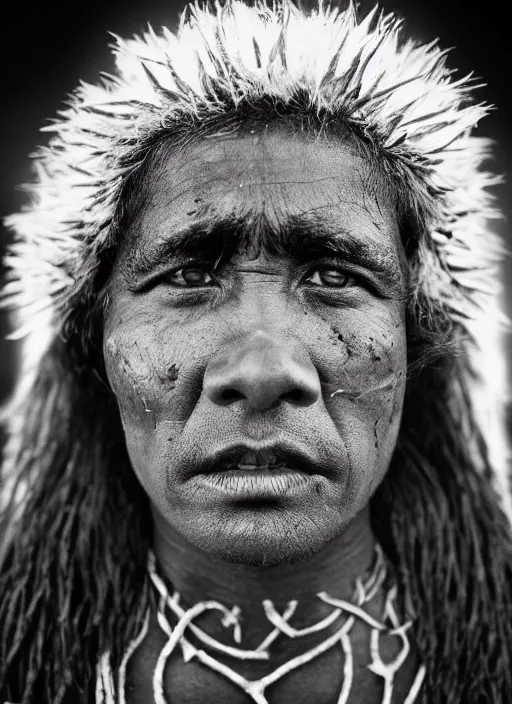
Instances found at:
x=189 y=277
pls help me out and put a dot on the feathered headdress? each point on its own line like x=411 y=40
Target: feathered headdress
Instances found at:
x=401 y=99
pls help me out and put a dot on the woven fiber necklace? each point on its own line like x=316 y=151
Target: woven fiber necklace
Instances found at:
x=344 y=614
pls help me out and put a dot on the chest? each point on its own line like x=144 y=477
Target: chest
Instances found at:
x=288 y=678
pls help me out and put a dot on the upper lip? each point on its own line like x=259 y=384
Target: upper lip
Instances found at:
x=261 y=455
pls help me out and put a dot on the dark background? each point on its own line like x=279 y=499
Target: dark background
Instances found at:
x=45 y=50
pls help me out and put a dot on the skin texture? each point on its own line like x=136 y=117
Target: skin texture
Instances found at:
x=254 y=347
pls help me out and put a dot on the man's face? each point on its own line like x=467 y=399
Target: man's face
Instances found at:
x=260 y=386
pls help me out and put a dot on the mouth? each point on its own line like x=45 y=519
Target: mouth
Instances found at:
x=263 y=460
x=244 y=473
x=242 y=458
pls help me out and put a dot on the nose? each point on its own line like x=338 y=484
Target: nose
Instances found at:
x=263 y=371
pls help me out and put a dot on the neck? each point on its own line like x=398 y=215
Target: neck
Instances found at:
x=292 y=647
x=198 y=577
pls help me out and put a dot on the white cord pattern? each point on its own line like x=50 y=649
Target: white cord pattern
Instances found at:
x=105 y=690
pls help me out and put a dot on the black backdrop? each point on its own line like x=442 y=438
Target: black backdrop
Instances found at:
x=45 y=50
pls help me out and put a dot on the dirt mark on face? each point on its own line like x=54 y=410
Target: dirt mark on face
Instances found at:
x=339 y=339
x=126 y=377
x=369 y=374
x=169 y=378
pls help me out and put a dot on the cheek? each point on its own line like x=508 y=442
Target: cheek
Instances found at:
x=129 y=374
x=154 y=367
x=364 y=370
x=143 y=362
x=142 y=366
x=364 y=352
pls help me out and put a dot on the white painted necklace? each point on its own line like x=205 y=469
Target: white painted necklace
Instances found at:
x=344 y=612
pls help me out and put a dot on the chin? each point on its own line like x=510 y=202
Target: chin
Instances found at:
x=266 y=539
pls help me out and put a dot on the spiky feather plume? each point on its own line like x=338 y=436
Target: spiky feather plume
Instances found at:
x=397 y=96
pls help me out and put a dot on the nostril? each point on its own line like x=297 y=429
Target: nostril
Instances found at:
x=294 y=396
x=231 y=395
x=304 y=396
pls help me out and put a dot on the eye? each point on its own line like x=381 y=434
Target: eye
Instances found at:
x=189 y=276
x=330 y=276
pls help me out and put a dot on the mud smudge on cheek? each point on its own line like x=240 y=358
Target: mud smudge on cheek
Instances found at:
x=339 y=339
x=135 y=376
x=130 y=380
x=373 y=351
x=369 y=364
x=169 y=378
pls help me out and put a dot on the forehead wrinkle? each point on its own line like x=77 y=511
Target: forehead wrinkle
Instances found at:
x=273 y=203
x=183 y=189
x=174 y=160
x=251 y=171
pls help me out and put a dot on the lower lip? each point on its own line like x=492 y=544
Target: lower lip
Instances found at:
x=251 y=484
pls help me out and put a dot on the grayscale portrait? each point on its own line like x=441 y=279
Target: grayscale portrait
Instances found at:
x=257 y=449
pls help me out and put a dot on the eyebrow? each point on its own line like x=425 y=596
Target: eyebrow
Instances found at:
x=301 y=237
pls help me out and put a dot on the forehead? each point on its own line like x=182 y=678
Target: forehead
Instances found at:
x=266 y=179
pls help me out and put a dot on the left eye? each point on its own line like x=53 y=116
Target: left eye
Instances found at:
x=330 y=277
x=189 y=276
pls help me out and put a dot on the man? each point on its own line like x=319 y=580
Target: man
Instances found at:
x=257 y=450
